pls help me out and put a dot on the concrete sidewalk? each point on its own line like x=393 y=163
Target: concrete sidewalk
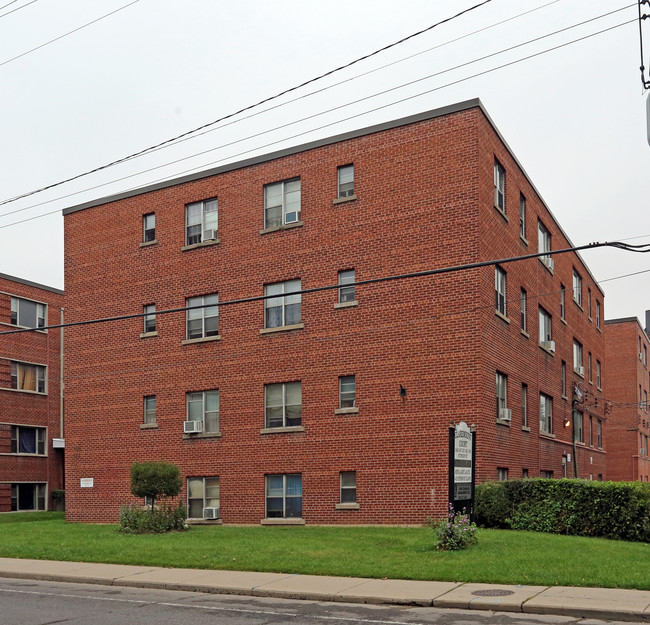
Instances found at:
x=600 y=603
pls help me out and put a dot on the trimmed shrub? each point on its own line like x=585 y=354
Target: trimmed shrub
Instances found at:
x=155 y=480
x=164 y=518
x=617 y=510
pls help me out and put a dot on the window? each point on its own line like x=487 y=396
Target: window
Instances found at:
x=522 y=217
x=348 y=486
x=500 y=290
x=645 y=356
x=545 y=327
x=204 y=406
x=523 y=302
x=598 y=373
x=150 y=409
x=599 y=434
x=204 y=321
x=502 y=393
x=547 y=475
x=283 y=404
x=345 y=181
x=562 y=301
x=545 y=413
x=201 y=222
x=502 y=474
x=347 y=391
x=27 y=497
x=499 y=186
x=589 y=302
x=27 y=314
x=27 y=440
x=524 y=405
x=202 y=493
x=578 y=433
x=577 y=288
x=284 y=496
x=577 y=355
x=645 y=401
x=149 y=318
x=563 y=379
x=544 y=244
x=524 y=474
x=27 y=377
x=149 y=228
x=281 y=203
x=589 y=367
x=598 y=314
x=591 y=431
x=283 y=310
x=346 y=292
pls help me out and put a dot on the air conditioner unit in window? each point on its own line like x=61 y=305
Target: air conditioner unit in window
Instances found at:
x=210 y=234
x=210 y=513
x=580 y=370
x=191 y=427
x=548 y=261
x=505 y=414
x=549 y=345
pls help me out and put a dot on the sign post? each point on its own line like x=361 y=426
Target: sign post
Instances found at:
x=462 y=463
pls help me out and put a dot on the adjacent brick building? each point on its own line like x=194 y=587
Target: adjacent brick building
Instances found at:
x=31 y=456
x=627 y=388
x=331 y=406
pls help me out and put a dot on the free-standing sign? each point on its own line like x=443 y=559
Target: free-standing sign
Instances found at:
x=462 y=456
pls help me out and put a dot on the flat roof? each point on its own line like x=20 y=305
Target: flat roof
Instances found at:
x=4 y=276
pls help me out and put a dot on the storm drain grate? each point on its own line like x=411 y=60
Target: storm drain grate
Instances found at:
x=493 y=592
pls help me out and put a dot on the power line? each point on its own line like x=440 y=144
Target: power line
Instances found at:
x=418 y=274
x=426 y=92
x=17 y=8
x=4 y=6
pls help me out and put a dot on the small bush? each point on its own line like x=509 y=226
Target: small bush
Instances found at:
x=155 y=479
x=157 y=520
x=456 y=532
x=58 y=500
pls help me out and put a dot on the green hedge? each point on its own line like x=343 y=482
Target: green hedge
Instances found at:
x=619 y=510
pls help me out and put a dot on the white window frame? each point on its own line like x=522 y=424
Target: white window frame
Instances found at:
x=577 y=287
x=499 y=186
x=346 y=290
x=40 y=440
x=149 y=318
x=206 y=218
x=288 y=193
x=545 y=325
x=209 y=310
x=347 y=391
x=598 y=314
x=544 y=242
x=286 y=300
x=524 y=405
x=523 y=303
x=345 y=180
x=545 y=413
x=348 y=486
x=500 y=288
x=199 y=400
x=502 y=474
x=578 y=427
x=501 y=392
x=599 y=434
x=210 y=494
x=40 y=377
x=149 y=405
x=40 y=495
x=598 y=373
x=149 y=227
x=564 y=387
x=40 y=313
x=288 y=420
x=285 y=495
x=522 y=216
x=577 y=354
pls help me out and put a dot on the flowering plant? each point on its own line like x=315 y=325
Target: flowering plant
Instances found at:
x=456 y=532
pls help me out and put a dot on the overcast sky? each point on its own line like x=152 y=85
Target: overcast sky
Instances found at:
x=574 y=117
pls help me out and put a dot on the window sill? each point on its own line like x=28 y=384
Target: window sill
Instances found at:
x=580 y=375
x=203 y=339
x=503 y=422
x=148 y=426
x=546 y=434
x=287 y=429
x=282 y=522
x=563 y=320
x=351 y=304
x=564 y=397
x=149 y=243
x=295 y=224
x=20 y=390
x=523 y=240
x=354 y=410
x=524 y=333
x=295 y=326
x=502 y=213
x=525 y=428
x=194 y=246
x=347 y=506
x=343 y=200
x=580 y=443
x=204 y=522
x=146 y=335
x=579 y=305
x=502 y=316
x=545 y=265
x=202 y=435
x=548 y=351
x=24 y=454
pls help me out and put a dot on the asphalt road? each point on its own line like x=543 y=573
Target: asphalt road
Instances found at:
x=27 y=602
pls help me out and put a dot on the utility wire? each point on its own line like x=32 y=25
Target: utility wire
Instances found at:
x=251 y=106
x=308 y=118
x=418 y=274
x=4 y=6
x=17 y=8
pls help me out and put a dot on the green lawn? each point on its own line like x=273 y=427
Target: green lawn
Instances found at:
x=394 y=552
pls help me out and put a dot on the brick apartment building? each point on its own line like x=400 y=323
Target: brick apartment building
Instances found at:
x=627 y=388
x=331 y=406
x=31 y=459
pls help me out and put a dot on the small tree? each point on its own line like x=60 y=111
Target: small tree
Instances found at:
x=155 y=480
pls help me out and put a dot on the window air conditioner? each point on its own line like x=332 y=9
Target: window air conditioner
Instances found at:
x=580 y=370
x=210 y=513
x=210 y=234
x=549 y=345
x=548 y=261
x=191 y=427
x=505 y=414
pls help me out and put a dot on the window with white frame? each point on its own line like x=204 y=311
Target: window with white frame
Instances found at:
x=522 y=216
x=149 y=409
x=149 y=318
x=281 y=203
x=502 y=393
x=346 y=286
x=204 y=406
x=283 y=310
x=523 y=302
x=502 y=474
x=26 y=496
x=589 y=367
x=599 y=434
x=203 y=318
x=577 y=355
x=27 y=314
x=345 y=181
x=26 y=377
x=598 y=374
x=578 y=427
x=347 y=391
x=348 y=486
x=149 y=227
x=201 y=221
x=546 y=475
x=545 y=328
x=577 y=288
x=203 y=498
x=598 y=314
x=563 y=379
x=284 y=496
x=524 y=405
x=545 y=413
x=499 y=186
x=500 y=290
x=544 y=243
x=589 y=302
x=27 y=440
x=562 y=301
x=283 y=404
